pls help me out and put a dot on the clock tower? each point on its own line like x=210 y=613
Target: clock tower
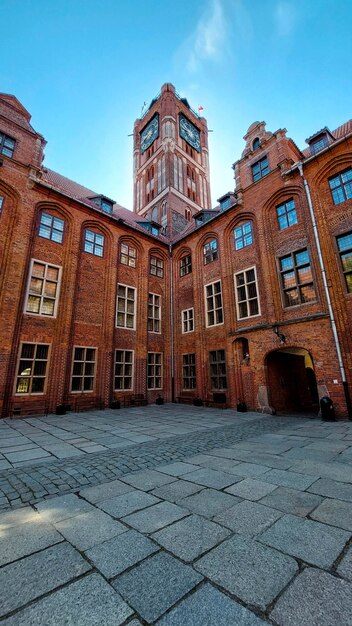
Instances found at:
x=170 y=163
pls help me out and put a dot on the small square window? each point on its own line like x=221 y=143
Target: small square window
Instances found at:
x=286 y=214
x=341 y=186
x=210 y=251
x=156 y=266
x=243 y=235
x=260 y=169
x=187 y=320
x=297 y=278
x=186 y=265
x=93 y=243
x=344 y=244
x=128 y=255
x=7 y=145
x=51 y=227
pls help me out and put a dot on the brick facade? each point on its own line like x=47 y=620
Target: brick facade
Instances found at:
x=262 y=328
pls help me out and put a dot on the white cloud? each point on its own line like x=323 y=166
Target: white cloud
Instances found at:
x=285 y=18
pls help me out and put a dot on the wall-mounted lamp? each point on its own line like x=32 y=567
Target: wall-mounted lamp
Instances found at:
x=281 y=336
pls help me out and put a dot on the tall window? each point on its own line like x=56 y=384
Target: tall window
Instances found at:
x=83 y=369
x=1 y=204
x=154 y=370
x=341 y=186
x=7 y=145
x=344 y=243
x=154 y=312
x=93 y=243
x=126 y=307
x=51 y=227
x=32 y=368
x=127 y=255
x=186 y=265
x=247 y=293
x=217 y=367
x=213 y=299
x=243 y=235
x=286 y=214
x=123 y=374
x=210 y=251
x=191 y=183
x=189 y=371
x=187 y=320
x=297 y=278
x=156 y=266
x=43 y=289
x=260 y=169
x=256 y=143
x=149 y=187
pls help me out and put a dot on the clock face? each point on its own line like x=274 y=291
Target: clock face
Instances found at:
x=150 y=133
x=189 y=132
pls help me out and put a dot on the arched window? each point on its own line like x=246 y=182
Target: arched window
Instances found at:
x=210 y=251
x=243 y=235
x=256 y=143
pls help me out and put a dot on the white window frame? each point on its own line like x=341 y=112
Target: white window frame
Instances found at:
x=154 y=375
x=248 y=269
x=52 y=227
x=41 y=296
x=31 y=376
x=125 y=312
x=127 y=257
x=187 y=320
x=215 y=309
x=186 y=371
x=153 y=306
x=83 y=376
x=123 y=376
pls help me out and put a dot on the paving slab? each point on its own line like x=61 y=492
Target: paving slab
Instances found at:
x=210 y=478
x=249 y=470
x=63 y=507
x=118 y=554
x=218 y=463
x=251 y=489
x=315 y=598
x=313 y=542
x=332 y=470
x=177 y=469
x=119 y=506
x=191 y=537
x=248 y=518
x=345 y=566
x=16 y=517
x=147 y=479
x=258 y=458
x=31 y=577
x=26 y=455
x=155 y=585
x=292 y=501
x=87 y=602
x=335 y=513
x=105 y=491
x=176 y=490
x=25 y=539
x=208 y=502
x=89 y=529
x=252 y=572
x=289 y=479
x=155 y=517
x=209 y=607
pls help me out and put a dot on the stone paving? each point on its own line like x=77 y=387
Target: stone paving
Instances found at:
x=243 y=519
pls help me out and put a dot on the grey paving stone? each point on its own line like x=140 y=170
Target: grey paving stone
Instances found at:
x=259 y=458
x=305 y=539
x=4 y=464
x=254 y=573
x=209 y=607
x=127 y=503
x=191 y=537
x=292 y=501
x=25 y=539
x=105 y=491
x=335 y=513
x=332 y=470
x=210 y=478
x=208 y=502
x=250 y=469
x=25 y=455
x=251 y=489
x=155 y=517
x=177 y=469
x=303 y=454
x=248 y=518
x=332 y=489
x=116 y=555
x=87 y=602
x=176 y=490
x=345 y=566
x=315 y=598
x=147 y=479
x=89 y=529
x=328 y=446
x=19 y=516
x=63 y=507
x=155 y=585
x=37 y=574
x=289 y=479
x=223 y=465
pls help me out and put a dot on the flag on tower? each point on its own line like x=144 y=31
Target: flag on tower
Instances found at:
x=200 y=108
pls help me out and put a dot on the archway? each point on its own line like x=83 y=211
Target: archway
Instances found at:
x=291 y=380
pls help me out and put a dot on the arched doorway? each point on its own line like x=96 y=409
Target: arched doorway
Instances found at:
x=291 y=380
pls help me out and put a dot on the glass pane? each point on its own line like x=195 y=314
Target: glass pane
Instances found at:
x=129 y=321
x=22 y=385
x=130 y=294
x=38 y=385
x=242 y=308
x=349 y=282
x=42 y=352
x=33 y=304
x=90 y=354
x=282 y=222
x=76 y=384
x=289 y=279
x=99 y=239
x=46 y=219
x=250 y=276
x=307 y=293
x=89 y=369
x=56 y=236
x=252 y=290
x=48 y=306
x=346 y=260
x=240 y=279
x=302 y=257
x=345 y=242
x=132 y=262
x=25 y=368
x=98 y=251
x=88 y=384
x=36 y=285
x=291 y=297
x=241 y=294
x=44 y=231
x=305 y=275
x=39 y=368
x=50 y=289
x=292 y=218
x=58 y=224
x=89 y=236
x=79 y=354
x=38 y=270
x=27 y=350
x=253 y=307
x=77 y=369
x=347 y=175
x=338 y=195
x=286 y=262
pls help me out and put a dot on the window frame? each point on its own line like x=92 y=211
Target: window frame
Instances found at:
x=189 y=371
x=2 y=202
x=341 y=252
x=125 y=312
x=51 y=227
x=218 y=362
x=185 y=265
x=123 y=365
x=156 y=266
x=298 y=285
x=154 y=375
x=6 y=138
x=31 y=376
x=215 y=310
x=131 y=259
x=243 y=236
x=262 y=171
x=285 y=215
x=340 y=189
x=210 y=252
x=154 y=305
x=41 y=296
x=83 y=376
x=94 y=243
x=248 y=299
x=187 y=320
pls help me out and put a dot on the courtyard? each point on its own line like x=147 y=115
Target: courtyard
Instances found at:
x=175 y=516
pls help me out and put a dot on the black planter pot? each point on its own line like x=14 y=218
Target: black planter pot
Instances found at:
x=159 y=400
x=116 y=404
x=197 y=402
x=60 y=409
x=242 y=407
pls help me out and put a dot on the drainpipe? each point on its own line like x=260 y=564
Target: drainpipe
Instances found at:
x=172 y=327
x=327 y=293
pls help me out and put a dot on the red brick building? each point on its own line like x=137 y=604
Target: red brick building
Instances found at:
x=248 y=302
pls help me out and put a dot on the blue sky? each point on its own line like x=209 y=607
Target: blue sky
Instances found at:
x=83 y=68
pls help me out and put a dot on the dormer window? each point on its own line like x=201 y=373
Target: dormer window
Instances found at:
x=103 y=203
x=152 y=227
x=319 y=144
x=256 y=143
x=320 y=140
x=7 y=145
x=224 y=204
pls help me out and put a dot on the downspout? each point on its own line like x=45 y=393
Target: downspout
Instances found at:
x=172 y=327
x=327 y=293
